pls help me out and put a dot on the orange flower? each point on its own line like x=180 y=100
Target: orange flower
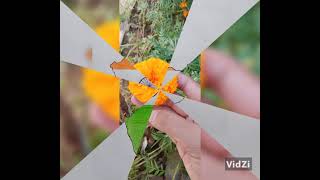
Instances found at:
x=101 y=88
x=171 y=87
x=185 y=13
x=154 y=69
x=141 y=92
x=183 y=4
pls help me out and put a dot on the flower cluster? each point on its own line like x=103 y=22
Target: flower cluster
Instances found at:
x=184 y=6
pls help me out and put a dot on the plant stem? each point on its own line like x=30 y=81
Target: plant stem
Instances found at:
x=176 y=171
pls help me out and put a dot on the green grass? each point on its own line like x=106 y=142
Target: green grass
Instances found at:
x=152 y=162
x=156 y=30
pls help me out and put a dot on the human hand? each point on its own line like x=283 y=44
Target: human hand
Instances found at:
x=205 y=159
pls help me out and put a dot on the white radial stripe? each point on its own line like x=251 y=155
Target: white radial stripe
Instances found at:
x=130 y=75
x=76 y=37
x=169 y=76
x=207 y=20
x=239 y=134
x=152 y=100
x=112 y=159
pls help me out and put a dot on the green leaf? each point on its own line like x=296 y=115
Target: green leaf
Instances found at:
x=136 y=125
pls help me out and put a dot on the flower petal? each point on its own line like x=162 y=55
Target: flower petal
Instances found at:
x=141 y=92
x=162 y=98
x=171 y=86
x=154 y=69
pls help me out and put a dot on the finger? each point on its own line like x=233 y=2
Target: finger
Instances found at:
x=178 y=110
x=211 y=145
x=184 y=133
x=232 y=82
x=168 y=121
x=136 y=102
x=189 y=87
x=168 y=103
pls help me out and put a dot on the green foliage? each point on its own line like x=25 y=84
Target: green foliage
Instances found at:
x=153 y=168
x=136 y=125
x=153 y=161
x=164 y=142
x=156 y=29
x=166 y=24
x=193 y=69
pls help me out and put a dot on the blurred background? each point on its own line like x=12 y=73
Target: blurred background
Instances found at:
x=242 y=42
x=84 y=120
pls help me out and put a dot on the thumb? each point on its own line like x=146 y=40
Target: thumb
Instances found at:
x=166 y=120
x=185 y=134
